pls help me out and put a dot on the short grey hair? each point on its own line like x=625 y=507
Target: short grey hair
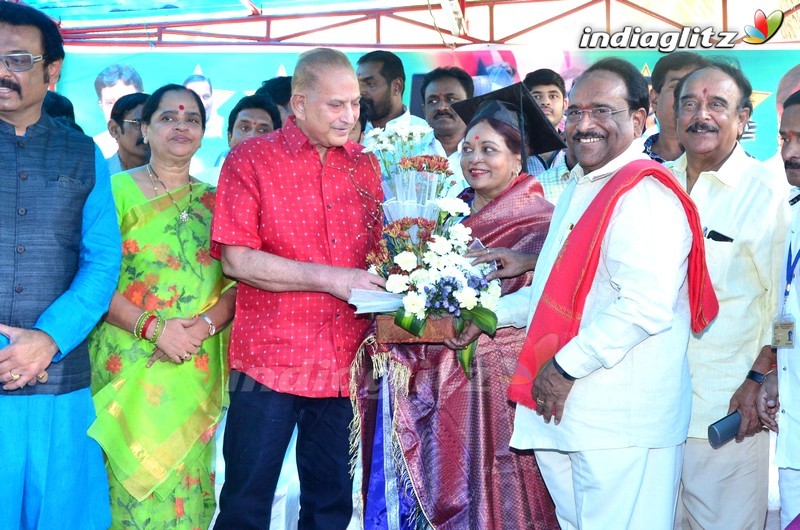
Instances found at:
x=311 y=62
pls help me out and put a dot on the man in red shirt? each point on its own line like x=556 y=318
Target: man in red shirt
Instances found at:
x=297 y=211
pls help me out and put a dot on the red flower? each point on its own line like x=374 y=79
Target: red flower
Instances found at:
x=173 y=263
x=201 y=363
x=135 y=292
x=179 y=511
x=130 y=246
x=114 y=364
x=152 y=302
x=189 y=481
x=208 y=199
x=203 y=257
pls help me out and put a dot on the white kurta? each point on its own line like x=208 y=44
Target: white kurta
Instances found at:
x=630 y=352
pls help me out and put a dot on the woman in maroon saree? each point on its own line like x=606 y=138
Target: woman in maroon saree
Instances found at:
x=448 y=435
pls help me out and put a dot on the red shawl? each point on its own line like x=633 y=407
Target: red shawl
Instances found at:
x=558 y=315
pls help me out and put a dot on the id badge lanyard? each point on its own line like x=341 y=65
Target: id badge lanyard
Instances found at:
x=783 y=327
x=791 y=265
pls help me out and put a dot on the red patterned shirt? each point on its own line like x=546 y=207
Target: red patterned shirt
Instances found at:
x=276 y=195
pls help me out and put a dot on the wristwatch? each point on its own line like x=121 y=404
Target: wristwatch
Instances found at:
x=212 y=329
x=758 y=377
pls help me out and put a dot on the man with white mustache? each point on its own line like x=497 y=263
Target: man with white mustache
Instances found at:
x=744 y=224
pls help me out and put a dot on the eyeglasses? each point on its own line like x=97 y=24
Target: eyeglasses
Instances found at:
x=20 y=62
x=138 y=123
x=600 y=114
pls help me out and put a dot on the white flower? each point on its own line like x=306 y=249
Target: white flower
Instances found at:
x=432 y=260
x=420 y=277
x=460 y=234
x=440 y=245
x=454 y=207
x=417 y=132
x=373 y=270
x=467 y=297
x=406 y=260
x=414 y=303
x=374 y=133
x=491 y=295
x=397 y=283
x=455 y=273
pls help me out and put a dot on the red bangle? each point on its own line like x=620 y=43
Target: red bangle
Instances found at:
x=147 y=323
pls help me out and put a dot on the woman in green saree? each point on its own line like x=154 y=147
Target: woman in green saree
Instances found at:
x=156 y=420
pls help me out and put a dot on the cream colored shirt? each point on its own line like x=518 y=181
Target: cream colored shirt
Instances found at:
x=741 y=202
x=633 y=387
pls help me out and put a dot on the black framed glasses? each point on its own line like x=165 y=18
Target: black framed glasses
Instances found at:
x=20 y=62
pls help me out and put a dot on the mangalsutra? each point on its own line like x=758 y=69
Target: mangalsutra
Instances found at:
x=183 y=215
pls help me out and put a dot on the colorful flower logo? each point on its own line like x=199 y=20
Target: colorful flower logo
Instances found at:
x=765 y=27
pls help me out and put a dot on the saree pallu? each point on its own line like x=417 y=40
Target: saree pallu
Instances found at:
x=449 y=435
x=156 y=425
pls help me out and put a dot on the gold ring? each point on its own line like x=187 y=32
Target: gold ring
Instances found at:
x=539 y=401
x=14 y=376
x=187 y=356
x=42 y=377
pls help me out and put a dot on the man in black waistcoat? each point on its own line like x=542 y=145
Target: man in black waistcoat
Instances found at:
x=60 y=256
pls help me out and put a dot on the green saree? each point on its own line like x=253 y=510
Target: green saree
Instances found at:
x=156 y=425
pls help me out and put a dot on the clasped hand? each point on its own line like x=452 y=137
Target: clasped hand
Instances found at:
x=25 y=359
x=181 y=339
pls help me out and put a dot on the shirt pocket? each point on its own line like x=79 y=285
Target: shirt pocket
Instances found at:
x=718 y=258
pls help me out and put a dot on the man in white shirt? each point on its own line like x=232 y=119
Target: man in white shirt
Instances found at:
x=382 y=81
x=779 y=401
x=441 y=87
x=619 y=390
x=744 y=222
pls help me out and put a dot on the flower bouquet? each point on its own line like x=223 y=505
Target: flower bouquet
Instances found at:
x=428 y=277
x=431 y=288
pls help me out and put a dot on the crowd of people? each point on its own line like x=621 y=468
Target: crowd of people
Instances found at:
x=647 y=291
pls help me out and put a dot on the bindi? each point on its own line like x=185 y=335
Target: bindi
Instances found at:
x=181 y=107
x=477 y=138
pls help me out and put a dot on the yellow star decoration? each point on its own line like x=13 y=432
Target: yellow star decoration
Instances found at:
x=758 y=97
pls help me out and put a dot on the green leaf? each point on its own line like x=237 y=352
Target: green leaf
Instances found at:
x=465 y=357
x=484 y=319
x=410 y=322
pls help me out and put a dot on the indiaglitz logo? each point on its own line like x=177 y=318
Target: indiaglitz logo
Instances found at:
x=688 y=37
x=765 y=27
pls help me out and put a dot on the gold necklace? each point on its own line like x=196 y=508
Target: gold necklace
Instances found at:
x=183 y=215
